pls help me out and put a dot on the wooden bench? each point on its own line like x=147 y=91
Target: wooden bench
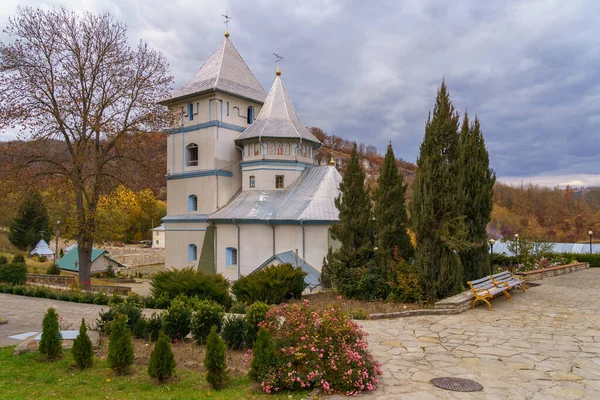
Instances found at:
x=505 y=278
x=485 y=289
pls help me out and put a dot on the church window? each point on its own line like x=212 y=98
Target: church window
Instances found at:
x=192 y=154
x=250 y=115
x=191 y=111
x=278 y=181
x=228 y=109
x=192 y=203
x=231 y=256
x=252 y=181
x=192 y=252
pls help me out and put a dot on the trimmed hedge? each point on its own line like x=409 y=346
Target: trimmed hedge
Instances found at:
x=271 y=285
x=99 y=298
x=15 y=273
x=593 y=259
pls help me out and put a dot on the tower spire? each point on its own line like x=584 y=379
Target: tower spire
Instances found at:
x=278 y=58
x=227 y=18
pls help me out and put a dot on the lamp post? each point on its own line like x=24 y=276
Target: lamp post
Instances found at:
x=491 y=242
x=56 y=238
x=590 y=233
x=517 y=249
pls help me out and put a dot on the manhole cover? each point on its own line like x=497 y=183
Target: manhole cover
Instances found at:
x=457 y=384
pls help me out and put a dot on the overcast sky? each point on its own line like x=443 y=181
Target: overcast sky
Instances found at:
x=369 y=70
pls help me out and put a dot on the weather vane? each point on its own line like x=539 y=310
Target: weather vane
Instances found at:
x=227 y=18
x=278 y=59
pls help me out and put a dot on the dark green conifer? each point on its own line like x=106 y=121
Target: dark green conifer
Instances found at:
x=120 y=347
x=478 y=182
x=391 y=220
x=438 y=201
x=51 y=341
x=214 y=361
x=264 y=356
x=31 y=223
x=162 y=361
x=83 y=352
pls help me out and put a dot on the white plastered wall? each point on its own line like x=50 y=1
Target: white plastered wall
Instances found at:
x=179 y=236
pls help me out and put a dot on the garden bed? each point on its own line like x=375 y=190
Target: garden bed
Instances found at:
x=537 y=274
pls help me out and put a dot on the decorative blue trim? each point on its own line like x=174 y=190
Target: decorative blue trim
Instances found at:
x=205 y=172
x=185 y=229
x=275 y=162
x=206 y=125
x=272 y=221
x=185 y=218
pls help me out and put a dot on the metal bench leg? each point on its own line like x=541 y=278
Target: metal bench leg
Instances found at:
x=506 y=294
x=481 y=299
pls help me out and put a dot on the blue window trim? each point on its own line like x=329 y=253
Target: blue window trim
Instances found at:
x=194 y=174
x=230 y=257
x=205 y=125
x=191 y=111
x=192 y=252
x=192 y=203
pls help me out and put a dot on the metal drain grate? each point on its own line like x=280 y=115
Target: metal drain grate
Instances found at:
x=457 y=384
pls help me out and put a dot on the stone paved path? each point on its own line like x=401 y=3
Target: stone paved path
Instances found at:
x=542 y=344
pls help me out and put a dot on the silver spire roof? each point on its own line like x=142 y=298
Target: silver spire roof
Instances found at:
x=278 y=118
x=224 y=71
x=310 y=198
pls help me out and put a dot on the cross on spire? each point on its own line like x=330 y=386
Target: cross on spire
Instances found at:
x=278 y=59
x=227 y=19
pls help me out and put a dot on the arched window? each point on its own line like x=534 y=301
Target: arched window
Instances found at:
x=250 y=115
x=192 y=253
x=192 y=203
x=191 y=111
x=192 y=155
x=252 y=181
x=231 y=256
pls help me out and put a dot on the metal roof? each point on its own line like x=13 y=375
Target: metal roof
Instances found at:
x=309 y=198
x=70 y=261
x=278 y=118
x=577 y=248
x=312 y=278
x=42 y=249
x=224 y=71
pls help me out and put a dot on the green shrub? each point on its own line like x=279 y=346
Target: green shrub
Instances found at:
x=15 y=273
x=191 y=283
x=18 y=259
x=101 y=298
x=19 y=290
x=51 y=342
x=163 y=301
x=238 y=308
x=162 y=361
x=82 y=351
x=264 y=358
x=207 y=314
x=43 y=259
x=593 y=259
x=6 y=288
x=120 y=347
x=234 y=331
x=176 y=321
x=214 y=361
x=131 y=311
x=271 y=285
x=3 y=260
x=140 y=329
x=358 y=313
x=109 y=273
x=404 y=281
x=154 y=326
x=53 y=269
x=116 y=299
x=255 y=314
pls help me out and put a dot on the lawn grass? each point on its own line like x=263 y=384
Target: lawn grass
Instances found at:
x=27 y=377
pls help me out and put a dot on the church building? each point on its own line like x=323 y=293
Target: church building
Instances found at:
x=243 y=188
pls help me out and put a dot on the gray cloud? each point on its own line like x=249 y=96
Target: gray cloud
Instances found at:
x=369 y=71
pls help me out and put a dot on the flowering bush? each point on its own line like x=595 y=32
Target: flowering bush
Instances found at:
x=323 y=349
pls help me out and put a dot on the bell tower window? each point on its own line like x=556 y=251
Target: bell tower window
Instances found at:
x=192 y=155
x=191 y=111
x=252 y=182
x=250 y=115
x=278 y=181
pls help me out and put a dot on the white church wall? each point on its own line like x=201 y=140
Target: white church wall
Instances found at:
x=264 y=176
x=204 y=187
x=176 y=253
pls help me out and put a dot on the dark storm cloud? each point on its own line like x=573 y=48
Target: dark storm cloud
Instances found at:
x=369 y=71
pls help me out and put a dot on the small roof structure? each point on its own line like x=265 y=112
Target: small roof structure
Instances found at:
x=42 y=249
x=278 y=118
x=161 y=228
x=224 y=71
x=70 y=260
x=309 y=199
x=312 y=278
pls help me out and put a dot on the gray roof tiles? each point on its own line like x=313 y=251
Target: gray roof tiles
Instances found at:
x=309 y=198
x=225 y=71
x=278 y=118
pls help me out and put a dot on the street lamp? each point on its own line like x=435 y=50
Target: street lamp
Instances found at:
x=517 y=249
x=590 y=233
x=56 y=238
x=491 y=242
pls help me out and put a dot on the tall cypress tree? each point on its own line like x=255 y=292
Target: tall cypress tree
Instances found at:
x=478 y=182
x=31 y=223
x=354 y=231
x=391 y=220
x=436 y=209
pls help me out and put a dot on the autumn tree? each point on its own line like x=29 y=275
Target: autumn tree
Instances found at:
x=438 y=202
x=74 y=78
x=478 y=183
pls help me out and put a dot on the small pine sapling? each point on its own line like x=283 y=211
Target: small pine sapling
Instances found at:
x=264 y=356
x=51 y=342
x=162 y=361
x=82 y=348
x=120 y=347
x=214 y=361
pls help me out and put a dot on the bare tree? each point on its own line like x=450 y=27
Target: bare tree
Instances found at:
x=73 y=78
